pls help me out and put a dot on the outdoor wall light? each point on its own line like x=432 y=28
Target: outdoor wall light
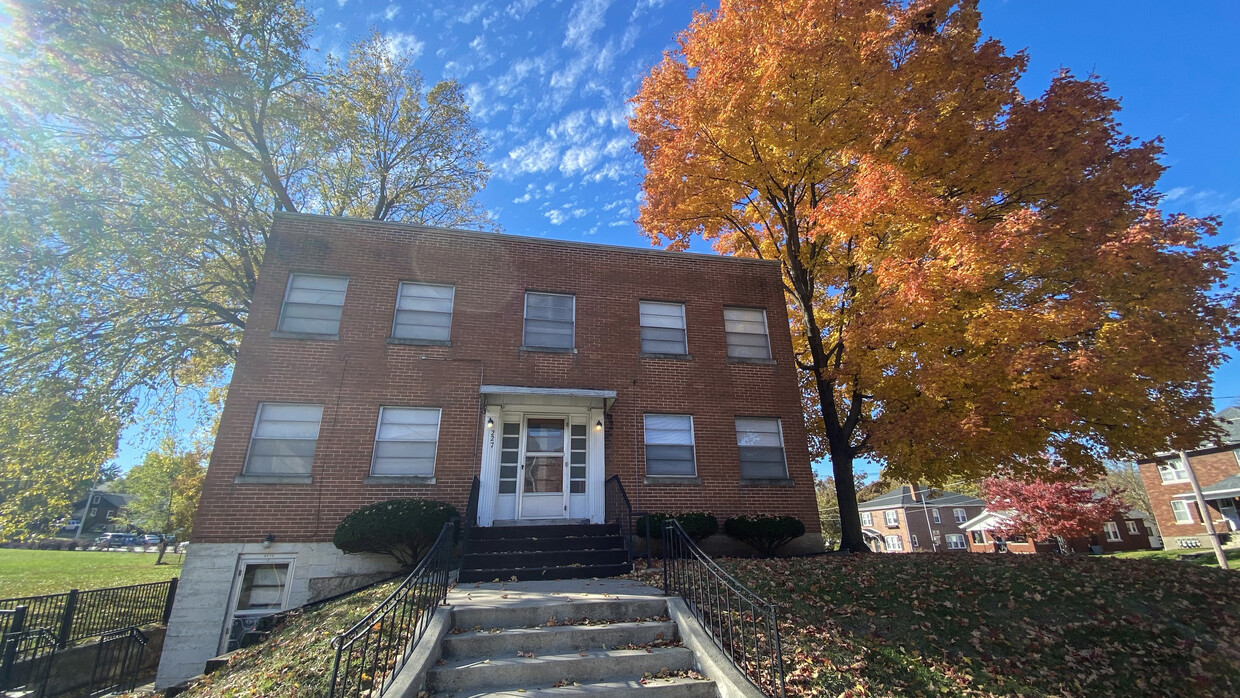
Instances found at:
x=598 y=426
x=271 y=538
x=490 y=423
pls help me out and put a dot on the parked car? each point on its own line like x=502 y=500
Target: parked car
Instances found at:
x=116 y=540
x=152 y=539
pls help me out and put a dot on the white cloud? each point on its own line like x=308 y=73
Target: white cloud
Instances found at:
x=400 y=43
x=558 y=216
x=479 y=43
x=520 y=8
x=390 y=13
x=584 y=19
x=535 y=156
x=341 y=3
x=1176 y=193
x=579 y=159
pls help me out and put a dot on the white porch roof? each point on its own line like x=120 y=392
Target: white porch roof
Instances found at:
x=606 y=397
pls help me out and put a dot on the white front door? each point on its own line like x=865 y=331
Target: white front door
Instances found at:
x=544 y=472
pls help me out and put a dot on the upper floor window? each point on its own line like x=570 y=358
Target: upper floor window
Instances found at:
x=669 y=445
x=960 y=515
x=1112 y=531
x=935 y=514
x=405 y=441
x=891 y=517
x=745 y=329
x=1173 y=471
x=423 y=311
x=867 y=518
x=312 y=304
x=549 y=320
x=663 y=328
x=761 y=444
x=284 y=438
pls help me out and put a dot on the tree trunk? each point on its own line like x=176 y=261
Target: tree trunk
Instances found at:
x=851 y=539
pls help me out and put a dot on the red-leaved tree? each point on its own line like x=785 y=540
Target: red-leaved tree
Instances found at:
x=1047 y=508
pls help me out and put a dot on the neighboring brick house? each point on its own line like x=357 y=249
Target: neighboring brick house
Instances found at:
x=1171 y=496
x=386 y=360
x=1128 y=531
x=914 y=519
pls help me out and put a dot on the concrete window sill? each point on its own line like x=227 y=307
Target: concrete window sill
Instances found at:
x=305 y=335
x=760 y=362
x=666 y=357
x=672 y=480
x=420 y=342
x=548 y=350
x=273 y=480
x=769 y=481
x=399 y=480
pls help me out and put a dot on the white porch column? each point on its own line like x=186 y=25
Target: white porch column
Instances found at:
x=488 y=476
x=596 y=467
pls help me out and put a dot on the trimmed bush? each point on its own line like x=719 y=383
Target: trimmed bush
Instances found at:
x=401 y=528
x=698 y=524
x=764 y=532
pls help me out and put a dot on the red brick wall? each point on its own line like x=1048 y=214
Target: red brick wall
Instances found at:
x=1210 y=468
x=354 y=376
x=1128 y=541
x=912 y=522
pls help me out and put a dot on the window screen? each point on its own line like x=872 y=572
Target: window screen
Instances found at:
x=423 y=311
x=312 y=304
x=284 y=439
x=663 y=328
x=405 y=441
x=549 y=320
x=669 y=444
x=745 y=329
x=761 y=445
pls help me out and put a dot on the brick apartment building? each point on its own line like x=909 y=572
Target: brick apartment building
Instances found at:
x=386 y=360
x=1127 y=531
x=917 y=519
x=1171 y=496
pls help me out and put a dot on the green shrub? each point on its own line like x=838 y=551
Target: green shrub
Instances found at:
x=766 y=533
x=401 y=528
x=698 y=524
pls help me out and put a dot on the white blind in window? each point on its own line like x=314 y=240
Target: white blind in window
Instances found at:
x=312 y=304
x=423 y=311
x=663 y=328
x=745 y=329
x=406 y=441
x=548 y=320
x=284 y=439
x=761 y=445
x=669 y=444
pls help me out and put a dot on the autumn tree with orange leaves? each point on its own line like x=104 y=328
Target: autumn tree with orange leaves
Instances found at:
x=979 y=282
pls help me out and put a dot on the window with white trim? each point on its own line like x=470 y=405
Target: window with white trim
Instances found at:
x=914 y=537
x=891 y=517
x=669 y=445
x=745 y=329
x=1133 y=528
x=663 y=328
x=423 y=311
x=313 y=304
x=406 y=441
x=1172 y=471
x=760 y=442
x=549 y=320
x=894 y=543
x=937 y=536
x=867 y=518
x=979 y=537
x=1111 y=529
x=935 y=514
x=284 y=438
x=956 y=541
x=960 y=515
x=1179 y=508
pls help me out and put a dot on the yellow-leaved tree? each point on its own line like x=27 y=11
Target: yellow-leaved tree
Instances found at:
x=979 y=281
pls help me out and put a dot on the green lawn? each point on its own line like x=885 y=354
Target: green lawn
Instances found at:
x=34 y=572
x=1205 y=559
x=1002 y=625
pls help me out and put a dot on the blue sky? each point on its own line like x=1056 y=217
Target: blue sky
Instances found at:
x=548 y=82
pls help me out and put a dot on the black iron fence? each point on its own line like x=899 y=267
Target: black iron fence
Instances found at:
x=619 y=510
x=371 y=653
x=744 y=625
x=77 y=615
x=118 y=661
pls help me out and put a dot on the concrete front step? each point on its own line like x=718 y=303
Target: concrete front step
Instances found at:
x=534 y=574
x=555 y=639
x=587 y=666
x=519 y=614
x=524 y=559
x=545 y=544
x=672 y=687
x=547 y=531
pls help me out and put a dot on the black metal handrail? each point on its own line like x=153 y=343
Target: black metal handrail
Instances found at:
x=118 y=661
x=619 y=511
x=742 y=624
x=26 y=660
x=471 y=513
x=370 y=654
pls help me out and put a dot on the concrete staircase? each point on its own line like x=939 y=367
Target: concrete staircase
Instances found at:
x=576 y=644
x=566 y=551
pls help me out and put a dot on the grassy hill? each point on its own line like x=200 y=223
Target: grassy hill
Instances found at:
x=1003 y=625
x=35 y=572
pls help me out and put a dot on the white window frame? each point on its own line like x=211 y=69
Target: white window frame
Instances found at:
x=525 y=318
x=891 y=517
x=258 y=416
x=1187 y=517
x=935 y=513
x=1133 y=528
x=974 y=535
x=913 y=536
x=646 y=444
x=953 y=537
x=899 y=543
x=374 y=454
x=867 y=518
x=1111 y=529
x=288 y=288
x=960 y=515
x=1172 y=472
x=783 y=451
x=684 y=327
x=400 y=294
x=766 y=333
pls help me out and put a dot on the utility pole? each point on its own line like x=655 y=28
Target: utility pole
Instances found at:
x=1204 y=511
